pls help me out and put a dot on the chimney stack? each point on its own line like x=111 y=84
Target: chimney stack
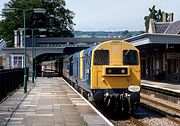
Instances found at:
x=164 y=17
x=15 y=38
x=151 y=26
x=21 y=38
x=170 y=17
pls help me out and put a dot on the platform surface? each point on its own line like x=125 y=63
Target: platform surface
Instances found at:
x=51 y=102
x=174 y=87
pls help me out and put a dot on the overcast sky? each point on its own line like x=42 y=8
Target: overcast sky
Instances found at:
x=115 y=15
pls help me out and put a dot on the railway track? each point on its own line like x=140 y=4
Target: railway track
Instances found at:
x=150 y=114
x=164 y=105
x=167 y=111
x=128 y=122
x=137 y=122
x=146 y=115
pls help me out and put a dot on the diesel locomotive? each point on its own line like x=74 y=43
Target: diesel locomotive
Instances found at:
x=108 y=73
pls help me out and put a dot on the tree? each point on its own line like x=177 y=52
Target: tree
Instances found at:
x=57 y=20
x=126 y=34
x=154 y=14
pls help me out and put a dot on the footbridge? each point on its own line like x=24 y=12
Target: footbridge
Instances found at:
x=44 y=48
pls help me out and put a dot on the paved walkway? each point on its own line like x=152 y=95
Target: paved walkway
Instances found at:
x=50 y=103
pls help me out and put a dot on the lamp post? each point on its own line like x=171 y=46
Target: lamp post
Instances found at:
x=34 y=52
x=34 y=48
x=25 y=73
x=32 y=57
x=36 y=10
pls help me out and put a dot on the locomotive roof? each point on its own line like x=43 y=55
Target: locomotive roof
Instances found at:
x=86 y=51
x=89 y=49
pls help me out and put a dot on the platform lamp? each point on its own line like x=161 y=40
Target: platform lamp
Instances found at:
x=34 y=50
x=35 y=10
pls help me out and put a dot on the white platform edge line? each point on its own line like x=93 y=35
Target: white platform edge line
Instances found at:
x=105 y=119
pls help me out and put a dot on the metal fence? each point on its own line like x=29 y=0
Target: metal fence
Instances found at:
x=10 y=80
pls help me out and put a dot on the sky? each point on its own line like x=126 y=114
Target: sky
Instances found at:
x=115 y=15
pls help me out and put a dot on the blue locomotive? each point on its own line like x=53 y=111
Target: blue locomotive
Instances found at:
x=108 y=73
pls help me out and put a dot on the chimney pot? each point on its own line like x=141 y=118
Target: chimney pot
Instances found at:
x=164 y=17
x=170 y=17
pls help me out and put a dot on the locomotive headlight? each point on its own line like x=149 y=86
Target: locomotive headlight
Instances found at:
x=106 y=94
x=109 y=71
x=134 y=88
x=123 y=71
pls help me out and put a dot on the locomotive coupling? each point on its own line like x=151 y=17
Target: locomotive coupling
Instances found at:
x=118 y=102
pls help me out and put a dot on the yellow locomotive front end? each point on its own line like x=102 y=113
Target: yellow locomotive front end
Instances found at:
x=115 y=72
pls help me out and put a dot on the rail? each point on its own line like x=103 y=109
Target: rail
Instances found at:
x=11 y=79
x=172 y=117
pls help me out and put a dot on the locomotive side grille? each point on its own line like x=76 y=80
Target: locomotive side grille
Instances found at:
x=101 y=57
x=116 y=71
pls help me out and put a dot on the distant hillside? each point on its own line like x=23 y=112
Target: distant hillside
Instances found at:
x=104 y=34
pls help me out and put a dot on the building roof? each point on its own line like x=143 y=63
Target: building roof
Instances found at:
x=57 y=41
x=166 y=27
x=161 y=26
x=155 y=38
x=174 y=28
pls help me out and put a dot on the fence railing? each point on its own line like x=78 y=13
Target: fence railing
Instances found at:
x=11 y=79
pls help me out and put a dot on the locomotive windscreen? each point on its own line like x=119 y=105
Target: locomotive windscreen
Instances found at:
x=101 y=57
x=130 y=57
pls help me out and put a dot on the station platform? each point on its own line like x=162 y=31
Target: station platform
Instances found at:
x=49 y=102
x=167 y=86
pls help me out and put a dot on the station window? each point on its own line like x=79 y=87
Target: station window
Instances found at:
x=17 y=61
x=101 y=57
x=130 y=57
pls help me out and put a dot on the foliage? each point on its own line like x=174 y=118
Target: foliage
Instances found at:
x=57 y=20
x=141 y=32
x=126 y=34
x=154 y=14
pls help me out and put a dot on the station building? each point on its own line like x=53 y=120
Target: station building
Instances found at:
x=40 y=49
x=160 y=50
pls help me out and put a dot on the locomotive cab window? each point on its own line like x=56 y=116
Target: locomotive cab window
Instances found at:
x=130 y=57
x=101 y=57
